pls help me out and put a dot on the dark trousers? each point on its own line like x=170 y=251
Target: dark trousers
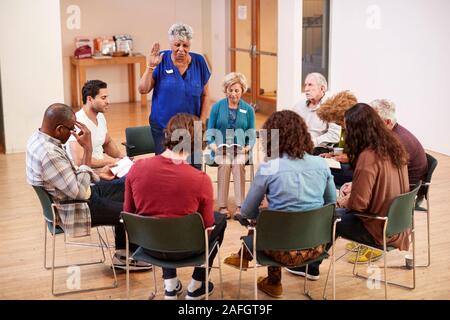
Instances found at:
x=199 y=273
x=343 y=175
x=158 y=137
x=106 y=204
x=350 y=227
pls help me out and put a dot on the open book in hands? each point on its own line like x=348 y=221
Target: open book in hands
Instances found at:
x=122 y=167
x=333 y=163
x=231 y=149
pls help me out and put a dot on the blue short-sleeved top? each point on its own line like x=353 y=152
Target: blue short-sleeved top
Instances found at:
x=173 y=93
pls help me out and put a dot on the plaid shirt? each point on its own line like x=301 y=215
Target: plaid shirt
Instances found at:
x=49 y=166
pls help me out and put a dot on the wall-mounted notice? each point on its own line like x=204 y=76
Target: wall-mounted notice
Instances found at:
x=242 y=12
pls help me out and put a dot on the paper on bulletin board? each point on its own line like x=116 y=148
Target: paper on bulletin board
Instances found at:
x=242 y=12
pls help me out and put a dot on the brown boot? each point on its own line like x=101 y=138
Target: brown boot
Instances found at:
x=273 y=290
x=272 y=284
x=234 y=260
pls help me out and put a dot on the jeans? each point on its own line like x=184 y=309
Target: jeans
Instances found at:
x=350 y=227
x=199 y=273
x=343 y=175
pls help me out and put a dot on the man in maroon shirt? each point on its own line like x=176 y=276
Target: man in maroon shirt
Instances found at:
x=417 y=163
x=167 y=186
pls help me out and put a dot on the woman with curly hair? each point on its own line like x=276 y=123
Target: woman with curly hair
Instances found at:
x=291 y=180
x=379 y=162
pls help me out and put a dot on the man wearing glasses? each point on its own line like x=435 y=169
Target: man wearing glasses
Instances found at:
x=48 y=166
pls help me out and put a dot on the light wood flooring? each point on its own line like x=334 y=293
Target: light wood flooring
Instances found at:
x=22 y=275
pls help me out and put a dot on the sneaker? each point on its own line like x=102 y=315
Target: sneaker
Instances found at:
x=200 y=293
x=173 y=295
x=273 y=290
x=119 y=262
x=313 y=273
x=234 y=260
x=353 y=246
x=366 y=254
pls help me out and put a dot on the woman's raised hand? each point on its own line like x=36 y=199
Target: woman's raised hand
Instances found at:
x=154 y=58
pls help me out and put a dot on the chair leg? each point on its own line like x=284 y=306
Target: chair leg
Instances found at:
x=255 y=273
x=153 y=294
x=206 y=266
x=428 y=236
x=305 y=285
x=220 y=271
x=385 y=271
x=240 y=271
x=53 y=260
x=45 y=246
x=102 y=243
x=328 y=273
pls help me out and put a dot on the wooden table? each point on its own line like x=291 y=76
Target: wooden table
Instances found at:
x=78 y=72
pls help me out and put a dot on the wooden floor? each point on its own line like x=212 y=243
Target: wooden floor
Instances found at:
x=22 y=275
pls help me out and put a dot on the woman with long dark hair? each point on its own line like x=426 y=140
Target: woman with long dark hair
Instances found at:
x=379 y=162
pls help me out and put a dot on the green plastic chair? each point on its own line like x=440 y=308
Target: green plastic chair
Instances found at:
x=424 y=192
x=398 y=219
x=51 y=227
x=283 y=231
x=139 y=140
x=172 y=235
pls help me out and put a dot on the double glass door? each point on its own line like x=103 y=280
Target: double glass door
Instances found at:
x=254 y=41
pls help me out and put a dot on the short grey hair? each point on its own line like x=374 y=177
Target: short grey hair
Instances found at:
x=233 y=78
x=320 y=79
x=180 y=31
x=385 y=108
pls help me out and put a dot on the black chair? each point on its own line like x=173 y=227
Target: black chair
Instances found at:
x=399 y=219
x=285 y=231
x=139 y=140
x=175 y=235
x=49 y=210
x=424 y=192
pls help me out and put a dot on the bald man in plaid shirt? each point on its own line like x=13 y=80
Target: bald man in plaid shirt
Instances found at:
x=48 y=166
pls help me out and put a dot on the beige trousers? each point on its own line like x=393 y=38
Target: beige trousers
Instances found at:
x=223 y=183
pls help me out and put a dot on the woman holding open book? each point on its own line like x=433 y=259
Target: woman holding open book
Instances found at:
x=231 y=136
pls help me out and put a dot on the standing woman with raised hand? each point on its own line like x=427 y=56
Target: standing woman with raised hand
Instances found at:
x=179 y=80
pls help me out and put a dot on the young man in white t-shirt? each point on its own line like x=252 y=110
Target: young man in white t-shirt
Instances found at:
x=95 y=103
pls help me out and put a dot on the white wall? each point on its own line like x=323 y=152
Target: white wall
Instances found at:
x=31 y=66
x=145 y=20
x=220 y=43
x=289 y=53
x=397 y=50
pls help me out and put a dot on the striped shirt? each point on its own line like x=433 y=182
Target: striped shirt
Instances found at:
x=48 y=166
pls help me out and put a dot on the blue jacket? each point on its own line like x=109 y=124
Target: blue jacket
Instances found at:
x=245 y=124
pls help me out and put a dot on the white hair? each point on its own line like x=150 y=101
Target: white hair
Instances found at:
x=320 y=79
x=233 y=78
x=180 y=31
x=385 y=108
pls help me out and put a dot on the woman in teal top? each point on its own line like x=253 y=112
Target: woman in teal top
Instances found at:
x=231 y=121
